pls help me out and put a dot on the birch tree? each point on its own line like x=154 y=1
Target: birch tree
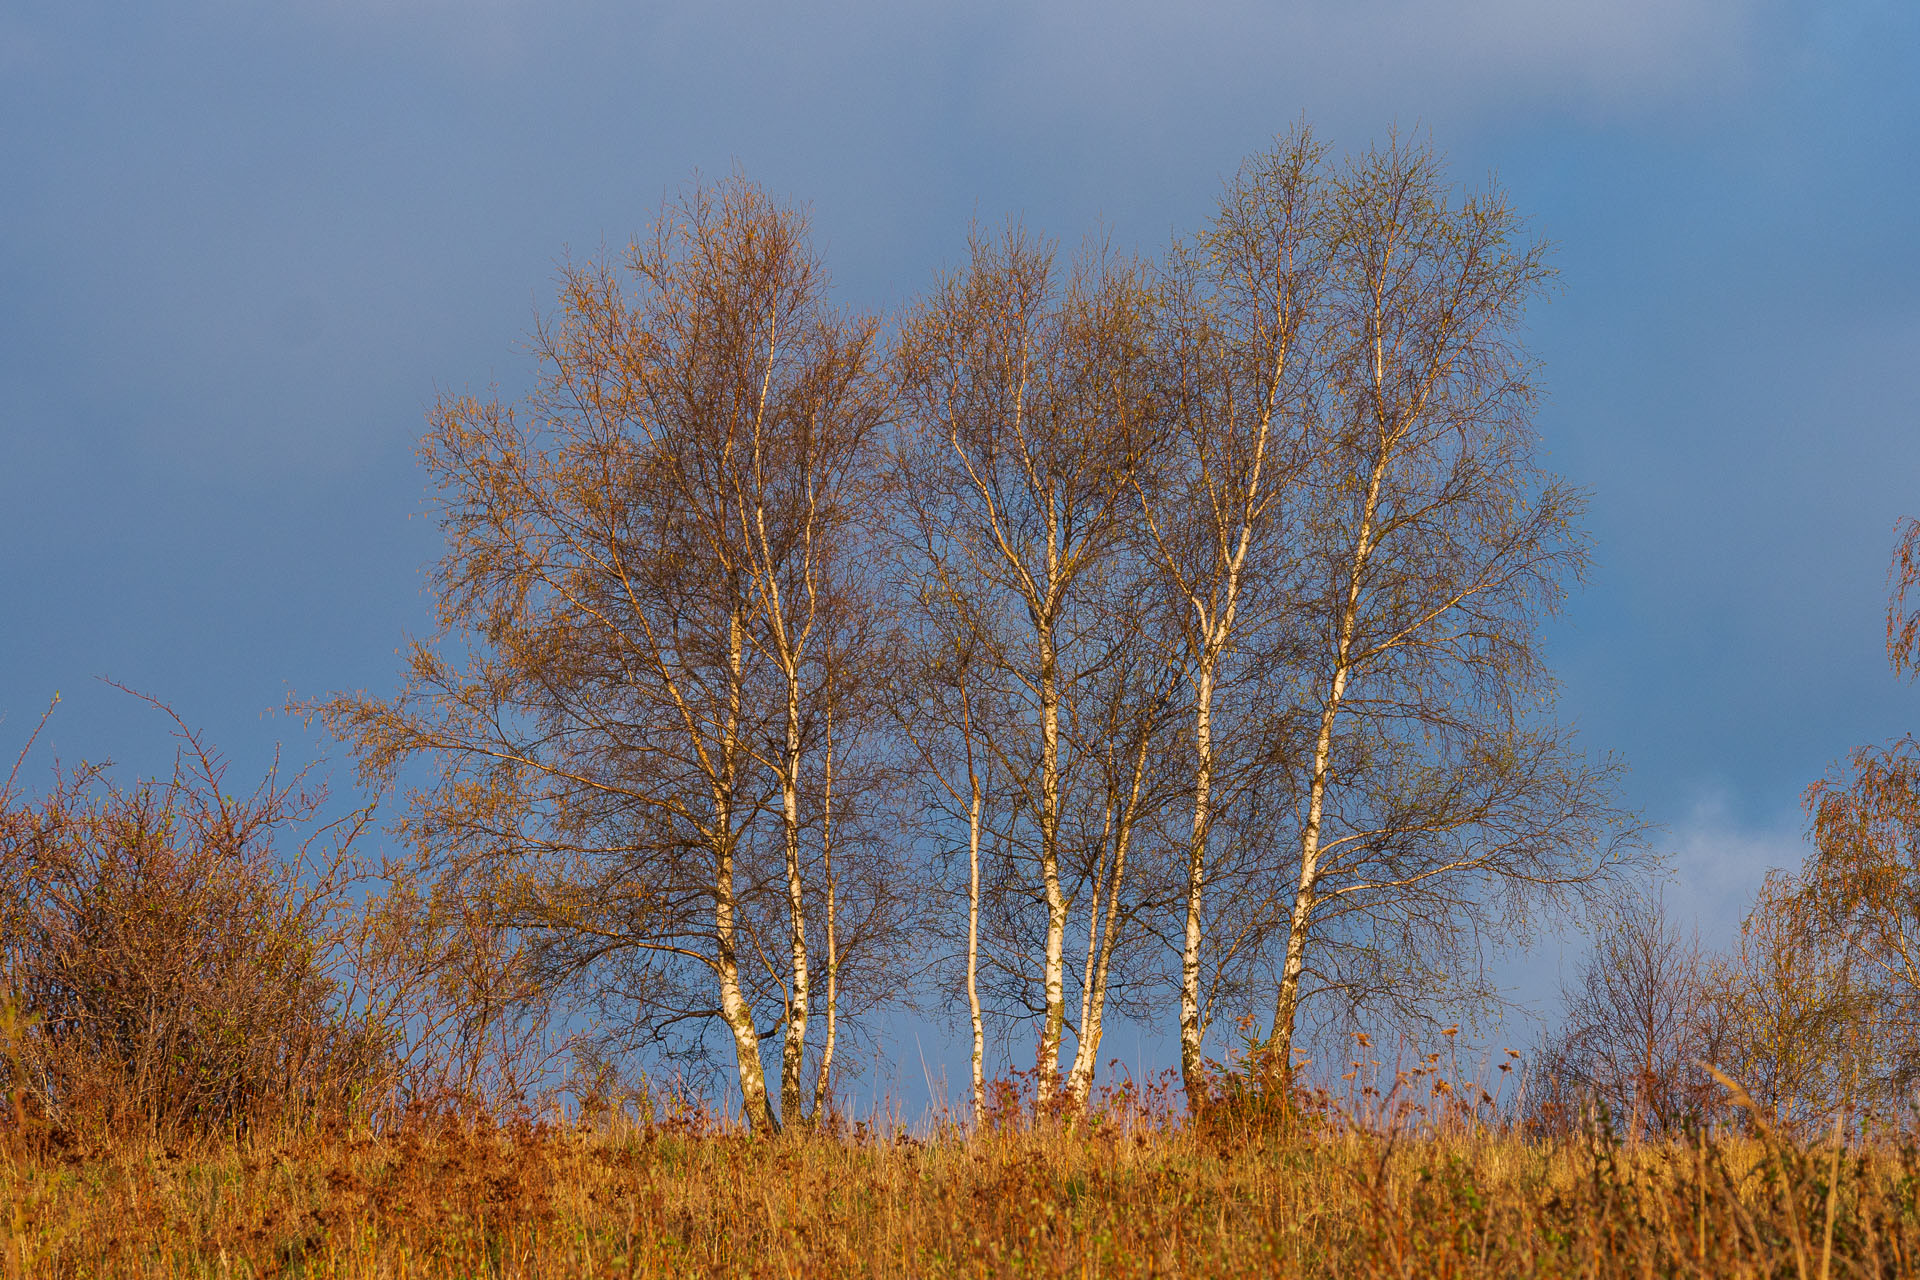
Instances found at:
x=1638 y=1021
x=1794 y=1014
x=1024 y=394
x=800 y=492
x=866 y=892
x=621 y=703
x=1238 y=344
x=949 y=696
x=1122 y=726
x=1860 y=888
x=1436 y=809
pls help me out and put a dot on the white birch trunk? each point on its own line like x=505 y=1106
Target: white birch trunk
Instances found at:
x=1216 y=628
x=1100 y=956
x=734 y=1008
x=793 y=1055
x=1095 y=897
x=973 y=948
x=823 y=1087
x=1286 y=1005
x=1192 y=1061
x=1055 y=975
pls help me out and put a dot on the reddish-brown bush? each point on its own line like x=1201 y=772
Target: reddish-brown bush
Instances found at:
x=177 y=950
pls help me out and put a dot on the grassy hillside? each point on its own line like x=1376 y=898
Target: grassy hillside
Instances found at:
x=449 y=1198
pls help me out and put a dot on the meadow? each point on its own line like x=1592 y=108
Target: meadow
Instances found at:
x=1115 y=1193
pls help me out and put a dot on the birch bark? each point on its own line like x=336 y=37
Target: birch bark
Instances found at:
x=1055 y=976
x=1243 y=296
x=1026 y=393
x=1101 y=946
x=974 y=813
x=734 y=1008
x=823 y=1086
x=1286 y=1006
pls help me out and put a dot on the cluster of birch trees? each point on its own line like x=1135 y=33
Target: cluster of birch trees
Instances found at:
x=1100 y=637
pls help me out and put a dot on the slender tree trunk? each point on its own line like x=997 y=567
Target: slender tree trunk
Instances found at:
x=1286 y=1004
x=1216 y=629
x=1101 y=954
x=1095 y=897
x=1086 y=1060
x=1049 y=1057
x=733 y=1005
x=1193 y=1068
x=973 y=947
x=823 y=1087
x=793 y=1056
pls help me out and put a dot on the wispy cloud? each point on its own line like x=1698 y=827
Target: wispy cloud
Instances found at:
x=1619 y=54
x=1717 y=858
x=1416 y=58
x=1400 y=58
x=1720 y=857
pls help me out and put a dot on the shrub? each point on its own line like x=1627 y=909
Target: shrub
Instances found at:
x=177 y=950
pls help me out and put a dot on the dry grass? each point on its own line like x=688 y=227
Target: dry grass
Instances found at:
x=451 y=1198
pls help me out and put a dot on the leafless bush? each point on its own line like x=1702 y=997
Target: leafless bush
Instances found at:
x=1639 y=1019
x=179 y=952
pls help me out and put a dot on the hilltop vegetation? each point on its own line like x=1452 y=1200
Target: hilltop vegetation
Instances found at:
x=1099 y=638
x=449 y=1198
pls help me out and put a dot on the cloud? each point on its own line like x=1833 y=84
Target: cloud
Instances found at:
x=1720 y=858
x=1407 y=59
x=1610 y=53
x=409 y=166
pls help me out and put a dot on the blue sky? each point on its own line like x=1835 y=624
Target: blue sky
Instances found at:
x=243 y=246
